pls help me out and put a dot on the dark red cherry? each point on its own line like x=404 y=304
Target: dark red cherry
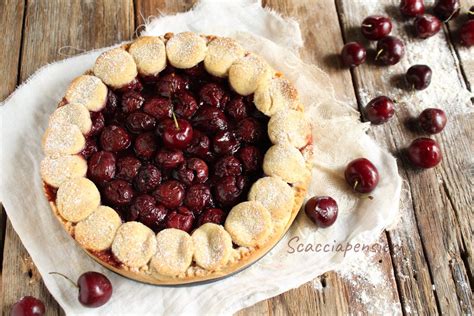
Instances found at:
x=98 y=123
x=101 y=167
x=390 y=50
x=212 y=215
x=198 y=196
x=362 y=175
x=28 y=306
x=170 y=194
x=114 y=138
x=185 y=106
x=447 y=9
x=237 y=108
x=159 y=108
x=424 y=153
x=194 y=170
x=181 y=219
x=470 y=13
x=210 y=120
x=419 y=76
x=353 y=54
x=147 y=179
x=169 y=158
x=426 y=25
x=145 y=145
x=214 y=95
x=200 y=146
x=132 y=101
x=251 y=158
x=379 y=110
x=141 y=204
x=95 y=289
x=225 y=142
x=111 y=104
x=127 y=168
x=466 y=33
x=376 y=27
x=249 y=130
x=412 y=7
x=118 y=192
x=196 y=71
x=148 y=212
x=134 y=85
x=177 y=136
x=322 y=210
x=432 y=120
x=169 y=84
x=90 y=148
x=227 y=166
x=138 y=122
x=229 y=189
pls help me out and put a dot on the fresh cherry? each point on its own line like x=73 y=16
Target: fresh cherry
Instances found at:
x=101 y=167
x=138 y=122
x=390 y=50
x=145 y=145
x=114 y=138
x=424 y=153
x=94 y=288
x=322 y=210
x=127 y=168
x=28 y=306
x=147 y=179
x=353 y=54
x=177 y=134
x=426 y=25
x=419 y=76
x=432 y=120
x=379 y=110
x=412 y=7
x=447 y=9
x=169 y=158
x=362 y=175
x=376 y=27
x=132 y=101
x=170 y=194
x=212 y=215
x=213 y=95
x=227 y=166
x=118 y=192
x=159 y=108
x=185 y=106
x=198 y=196
x=466 y=33
x=182 y=219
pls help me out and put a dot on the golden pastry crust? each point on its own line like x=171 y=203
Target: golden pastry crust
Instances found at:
x=174 y=252
x=289 y=126
x=98 y=230
x=89 y=91
x=277 y=94
x=222 y=52
x=63 y=139
x=212 y=246
x=56 y=169
x=149 y=54
x=248 y=72
x=115 y=67
x=72 y=113
x=77 y=198
x=134 y=244
x=286 y=162
x=249 y=224
x=275 y=195
x=186 y=50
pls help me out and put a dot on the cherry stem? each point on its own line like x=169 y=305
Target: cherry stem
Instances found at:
x=72 y=282
x=368 y=25
x=363 y=196
x=378 y=54
x=175 y=120
x=449 y=17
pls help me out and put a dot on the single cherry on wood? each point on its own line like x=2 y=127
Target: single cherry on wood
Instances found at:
x=322 y=210
x=412 y=7
x=353 y=54
x=426 y=25
x=419 y=76
x=28 y=306
x=362 y=175
x=447 y=9
x=379 y=110
x=424 y=153
x=432 y=120
x=376 y=27
x=466 y=33
x=94 y=288
x=390 y=50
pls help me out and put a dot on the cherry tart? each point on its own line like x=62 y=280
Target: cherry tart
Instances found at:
x=178 y=158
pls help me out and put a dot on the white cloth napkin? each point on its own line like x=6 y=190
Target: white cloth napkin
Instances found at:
x=338 y=134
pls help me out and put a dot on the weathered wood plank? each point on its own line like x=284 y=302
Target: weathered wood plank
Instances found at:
x=435 y=214
x=49 y=25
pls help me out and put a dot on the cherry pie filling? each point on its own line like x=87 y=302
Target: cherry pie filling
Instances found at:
x=177 y=150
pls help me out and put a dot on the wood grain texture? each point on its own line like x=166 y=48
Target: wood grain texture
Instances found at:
x=50 y=25
x=434 y=213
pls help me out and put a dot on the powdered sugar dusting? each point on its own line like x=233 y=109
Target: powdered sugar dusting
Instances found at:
x=88 y=91
x=64 y=139
x=221 y=53
x=275 y=195
x=186 y=49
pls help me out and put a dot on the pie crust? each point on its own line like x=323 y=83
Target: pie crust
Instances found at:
x=174 y=256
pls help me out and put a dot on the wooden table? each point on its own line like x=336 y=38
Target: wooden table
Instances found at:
x=431 y=271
